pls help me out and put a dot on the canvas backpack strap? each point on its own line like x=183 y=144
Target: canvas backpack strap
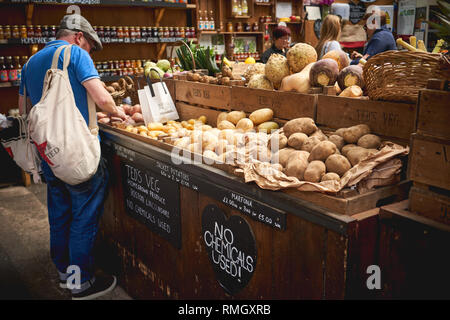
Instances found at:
x=56 y=57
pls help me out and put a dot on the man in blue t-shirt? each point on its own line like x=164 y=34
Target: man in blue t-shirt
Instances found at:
x=73 y=211
x=380 y=38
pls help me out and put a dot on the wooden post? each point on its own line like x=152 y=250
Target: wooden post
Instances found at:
x=26 y=179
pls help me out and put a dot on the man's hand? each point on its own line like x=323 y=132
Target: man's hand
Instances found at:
x=356 y=55
x=119 y=113
x=100 y=95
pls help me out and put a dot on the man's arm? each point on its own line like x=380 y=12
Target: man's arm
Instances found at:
x=101 y=96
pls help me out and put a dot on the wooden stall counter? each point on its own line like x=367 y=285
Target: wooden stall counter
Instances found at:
x=179 y=230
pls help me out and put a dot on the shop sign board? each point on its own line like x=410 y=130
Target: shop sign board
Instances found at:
x=231 y=248
x=153 y=200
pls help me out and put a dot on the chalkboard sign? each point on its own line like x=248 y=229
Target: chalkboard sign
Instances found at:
x=231 y=248
x=154 y=200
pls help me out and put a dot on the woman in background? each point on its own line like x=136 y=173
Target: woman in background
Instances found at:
x=330 y=32
x=281 y=39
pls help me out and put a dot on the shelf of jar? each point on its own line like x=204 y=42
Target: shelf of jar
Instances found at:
x=263 y=3
x=150 y=4
x=240 y=17
x=26 y=41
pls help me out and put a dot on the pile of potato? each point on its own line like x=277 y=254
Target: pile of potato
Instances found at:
x=306 y=153
x=131 y=115
x=171 y=129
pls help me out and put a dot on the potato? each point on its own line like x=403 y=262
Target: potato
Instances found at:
x=268 y=127
x=322 y=151
x=282 y=156
x=261 y=115
x=296 y=165
x=235 y=116
x=155 y=126
x=195 y=147
x=221 y=146
x=296 y=140
x=202 y=119
x=340 y=132
x=277 y=142
x=310 y=143
x=222 y=116
x=346 y=148
x=356 y=154
x=369 y=141
x=314 y=172
x=206 y=127
x=338 y=164
x=263 y=154
x=319 y=134
x=337 y=140
x=303 y=125
x=183 y=142
x=245 y=124
x=330 y=176
x=210 y=156
x=225 y=124
x=352 y=134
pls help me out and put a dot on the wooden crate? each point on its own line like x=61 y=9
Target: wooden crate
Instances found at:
x=430 y=202
x=350 y=202
x=414 y=260
x=429 y=161
x=306 y=261
x=387 y=119
x=285 y=105
x=433 y=113
x=210 y=95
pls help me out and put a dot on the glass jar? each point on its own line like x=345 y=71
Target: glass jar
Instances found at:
x=255 y=26
x=113 y=33
x=107 y=34
x=247 y=27
x=126 y=33
x=138 y=63
x=110 y=64
x=119 y=32
x=239 y=27
x=193 y=34
x=15 y=32
x=132 y=34
x=137 y=33
x=182 y=32
x=166 y=32
x=130 y=71
x=2 y=34
x=38 y=32
x=105 y=65
x=45 y=31
x=7 y=32
x=52 y=32
x=127 y=64
x=121 y=64
x=23 y=32
x=101 y=32
x=160 y=32
x=229 y=27
x=171 y=32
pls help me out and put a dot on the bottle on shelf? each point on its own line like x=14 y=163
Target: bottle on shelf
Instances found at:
x=2 y=35
x=7 y=32
x=239 y=13
x=201 y=24
x=12 y=72
x=18 y=67
x=235 y=7
x=3 y=70
x=212 y=23
x=244 y=8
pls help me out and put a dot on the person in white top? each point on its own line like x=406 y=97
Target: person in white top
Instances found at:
x=330 y=32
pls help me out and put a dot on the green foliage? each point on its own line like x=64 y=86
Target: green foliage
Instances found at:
x=204 y=58
x=444 y=16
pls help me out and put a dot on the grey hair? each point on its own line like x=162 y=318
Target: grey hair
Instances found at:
x=64 y=33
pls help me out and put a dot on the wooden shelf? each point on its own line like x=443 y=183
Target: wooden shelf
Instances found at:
x=9 y=84
x=28 y=41
x=263 y=4
x=149 y=4
x=240 y=17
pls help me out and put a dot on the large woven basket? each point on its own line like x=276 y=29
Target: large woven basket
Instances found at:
x=399 y=75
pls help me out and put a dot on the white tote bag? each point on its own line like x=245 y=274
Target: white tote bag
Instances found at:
x=156 y=103
x=18 y=145
x=59 y=131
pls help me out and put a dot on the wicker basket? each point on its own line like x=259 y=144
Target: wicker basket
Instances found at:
x=399 y=75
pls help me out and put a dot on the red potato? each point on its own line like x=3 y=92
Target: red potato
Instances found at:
x=127 y=108
x=104 y=120
x=101 y=115
x=129 y=121
x=138 y=117
x=136 y=108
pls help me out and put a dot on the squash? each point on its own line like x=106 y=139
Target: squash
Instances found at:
x=298 y=82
